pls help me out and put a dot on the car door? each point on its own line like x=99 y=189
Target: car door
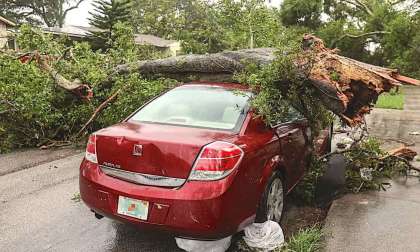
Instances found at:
x=294 y=147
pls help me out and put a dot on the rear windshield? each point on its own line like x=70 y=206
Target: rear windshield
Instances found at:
x=197 y=106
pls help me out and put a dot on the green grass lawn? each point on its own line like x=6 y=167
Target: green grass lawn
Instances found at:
x=392 y=100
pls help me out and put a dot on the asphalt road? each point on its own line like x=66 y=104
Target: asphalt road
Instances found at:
x=37 y=212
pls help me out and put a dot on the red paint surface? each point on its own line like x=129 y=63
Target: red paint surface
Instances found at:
x=197 y=209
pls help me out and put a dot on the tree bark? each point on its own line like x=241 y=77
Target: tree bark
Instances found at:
x=347 y=87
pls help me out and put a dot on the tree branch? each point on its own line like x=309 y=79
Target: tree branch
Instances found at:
x=367 y=34
x=73 y=7
x=364 y=5
x=79 y=89
x=360 y=5
x=97 y=111
x=396 y=2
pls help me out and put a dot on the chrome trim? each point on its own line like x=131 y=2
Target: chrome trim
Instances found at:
x=142 y=179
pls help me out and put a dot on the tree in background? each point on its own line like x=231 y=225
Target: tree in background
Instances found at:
x=193 y=22
x=301 y=12
x=381 y=32
x=209 y=26
x=48 y=12
x=106 y=15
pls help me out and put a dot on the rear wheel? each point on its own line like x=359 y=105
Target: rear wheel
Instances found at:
x=272 y=202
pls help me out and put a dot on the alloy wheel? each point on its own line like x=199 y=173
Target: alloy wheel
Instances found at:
x=275 y=201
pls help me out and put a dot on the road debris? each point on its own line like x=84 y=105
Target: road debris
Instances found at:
x=403 y=152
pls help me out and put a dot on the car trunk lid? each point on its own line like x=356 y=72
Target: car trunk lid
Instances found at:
x=153 y=149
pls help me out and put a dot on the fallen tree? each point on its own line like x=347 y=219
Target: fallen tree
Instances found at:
x=304 y=72
x=346 y=87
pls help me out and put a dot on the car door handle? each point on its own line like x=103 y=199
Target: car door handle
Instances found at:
x=287 y=134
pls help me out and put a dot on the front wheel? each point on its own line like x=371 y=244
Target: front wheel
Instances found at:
x=272 y=202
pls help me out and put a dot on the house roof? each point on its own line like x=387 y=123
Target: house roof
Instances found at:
x=71 y=30
x=8 y=22
x=81 y=32
x=145 y=39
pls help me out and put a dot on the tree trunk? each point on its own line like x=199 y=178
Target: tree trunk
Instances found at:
x=347 y=87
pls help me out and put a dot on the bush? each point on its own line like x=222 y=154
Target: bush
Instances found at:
x=33 y=110
x=368 y=168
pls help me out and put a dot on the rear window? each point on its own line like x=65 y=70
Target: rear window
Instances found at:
x=197 y=106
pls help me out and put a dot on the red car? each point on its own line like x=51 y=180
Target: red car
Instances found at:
x=195 y=162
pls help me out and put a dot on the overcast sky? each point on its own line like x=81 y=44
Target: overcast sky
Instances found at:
x=80 y=16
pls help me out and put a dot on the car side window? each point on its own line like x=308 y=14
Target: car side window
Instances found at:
x=291 y=114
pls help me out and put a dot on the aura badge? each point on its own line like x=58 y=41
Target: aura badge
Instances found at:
x=138 y=150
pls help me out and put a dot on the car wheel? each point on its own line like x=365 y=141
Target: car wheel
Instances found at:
x=272 y=202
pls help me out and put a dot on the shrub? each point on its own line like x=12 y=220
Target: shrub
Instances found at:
x=33 y=110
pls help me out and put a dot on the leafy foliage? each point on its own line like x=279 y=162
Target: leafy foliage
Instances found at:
x=282 y=84
x=306 y=240
x=301 y=12
x=34 y=111
x=27 y=111
x=48 y=12
x=107 y=14
x=206 y=26
x=380 y=32
x=368 y=168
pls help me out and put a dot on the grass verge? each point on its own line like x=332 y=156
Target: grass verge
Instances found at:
x=306 y=240
x=309 y=239
x=392 y=100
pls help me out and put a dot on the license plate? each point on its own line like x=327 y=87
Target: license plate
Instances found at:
x=133 y=207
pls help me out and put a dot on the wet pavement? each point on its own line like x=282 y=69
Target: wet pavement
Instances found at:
x=40 y=210
x=37 y=213
x=385 y=220
x=376 y=221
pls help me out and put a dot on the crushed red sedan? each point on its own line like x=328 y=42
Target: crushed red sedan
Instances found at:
x=196 y=162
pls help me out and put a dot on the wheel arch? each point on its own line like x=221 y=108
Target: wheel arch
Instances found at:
x=273 y=164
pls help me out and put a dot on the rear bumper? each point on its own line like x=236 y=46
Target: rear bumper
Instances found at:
x=195 y=210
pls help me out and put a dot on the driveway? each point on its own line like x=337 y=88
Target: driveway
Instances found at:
x=37 y=212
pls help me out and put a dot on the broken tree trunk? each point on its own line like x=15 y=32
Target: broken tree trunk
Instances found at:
x=345 y=86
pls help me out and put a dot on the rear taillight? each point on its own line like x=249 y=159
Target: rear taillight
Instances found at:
x=216 y=161
x=91 y=149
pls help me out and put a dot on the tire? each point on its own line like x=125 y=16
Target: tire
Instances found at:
x=272 y=202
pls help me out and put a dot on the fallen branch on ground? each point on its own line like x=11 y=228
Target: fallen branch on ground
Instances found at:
x=403 y=152
x=97 y=111
x=56 y=144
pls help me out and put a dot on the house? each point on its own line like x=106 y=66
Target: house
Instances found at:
x=5 y=26
x=79 y=33
x=168 y=47
x=73 y=32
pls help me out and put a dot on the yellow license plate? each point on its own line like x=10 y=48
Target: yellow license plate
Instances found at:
x=133 y=207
